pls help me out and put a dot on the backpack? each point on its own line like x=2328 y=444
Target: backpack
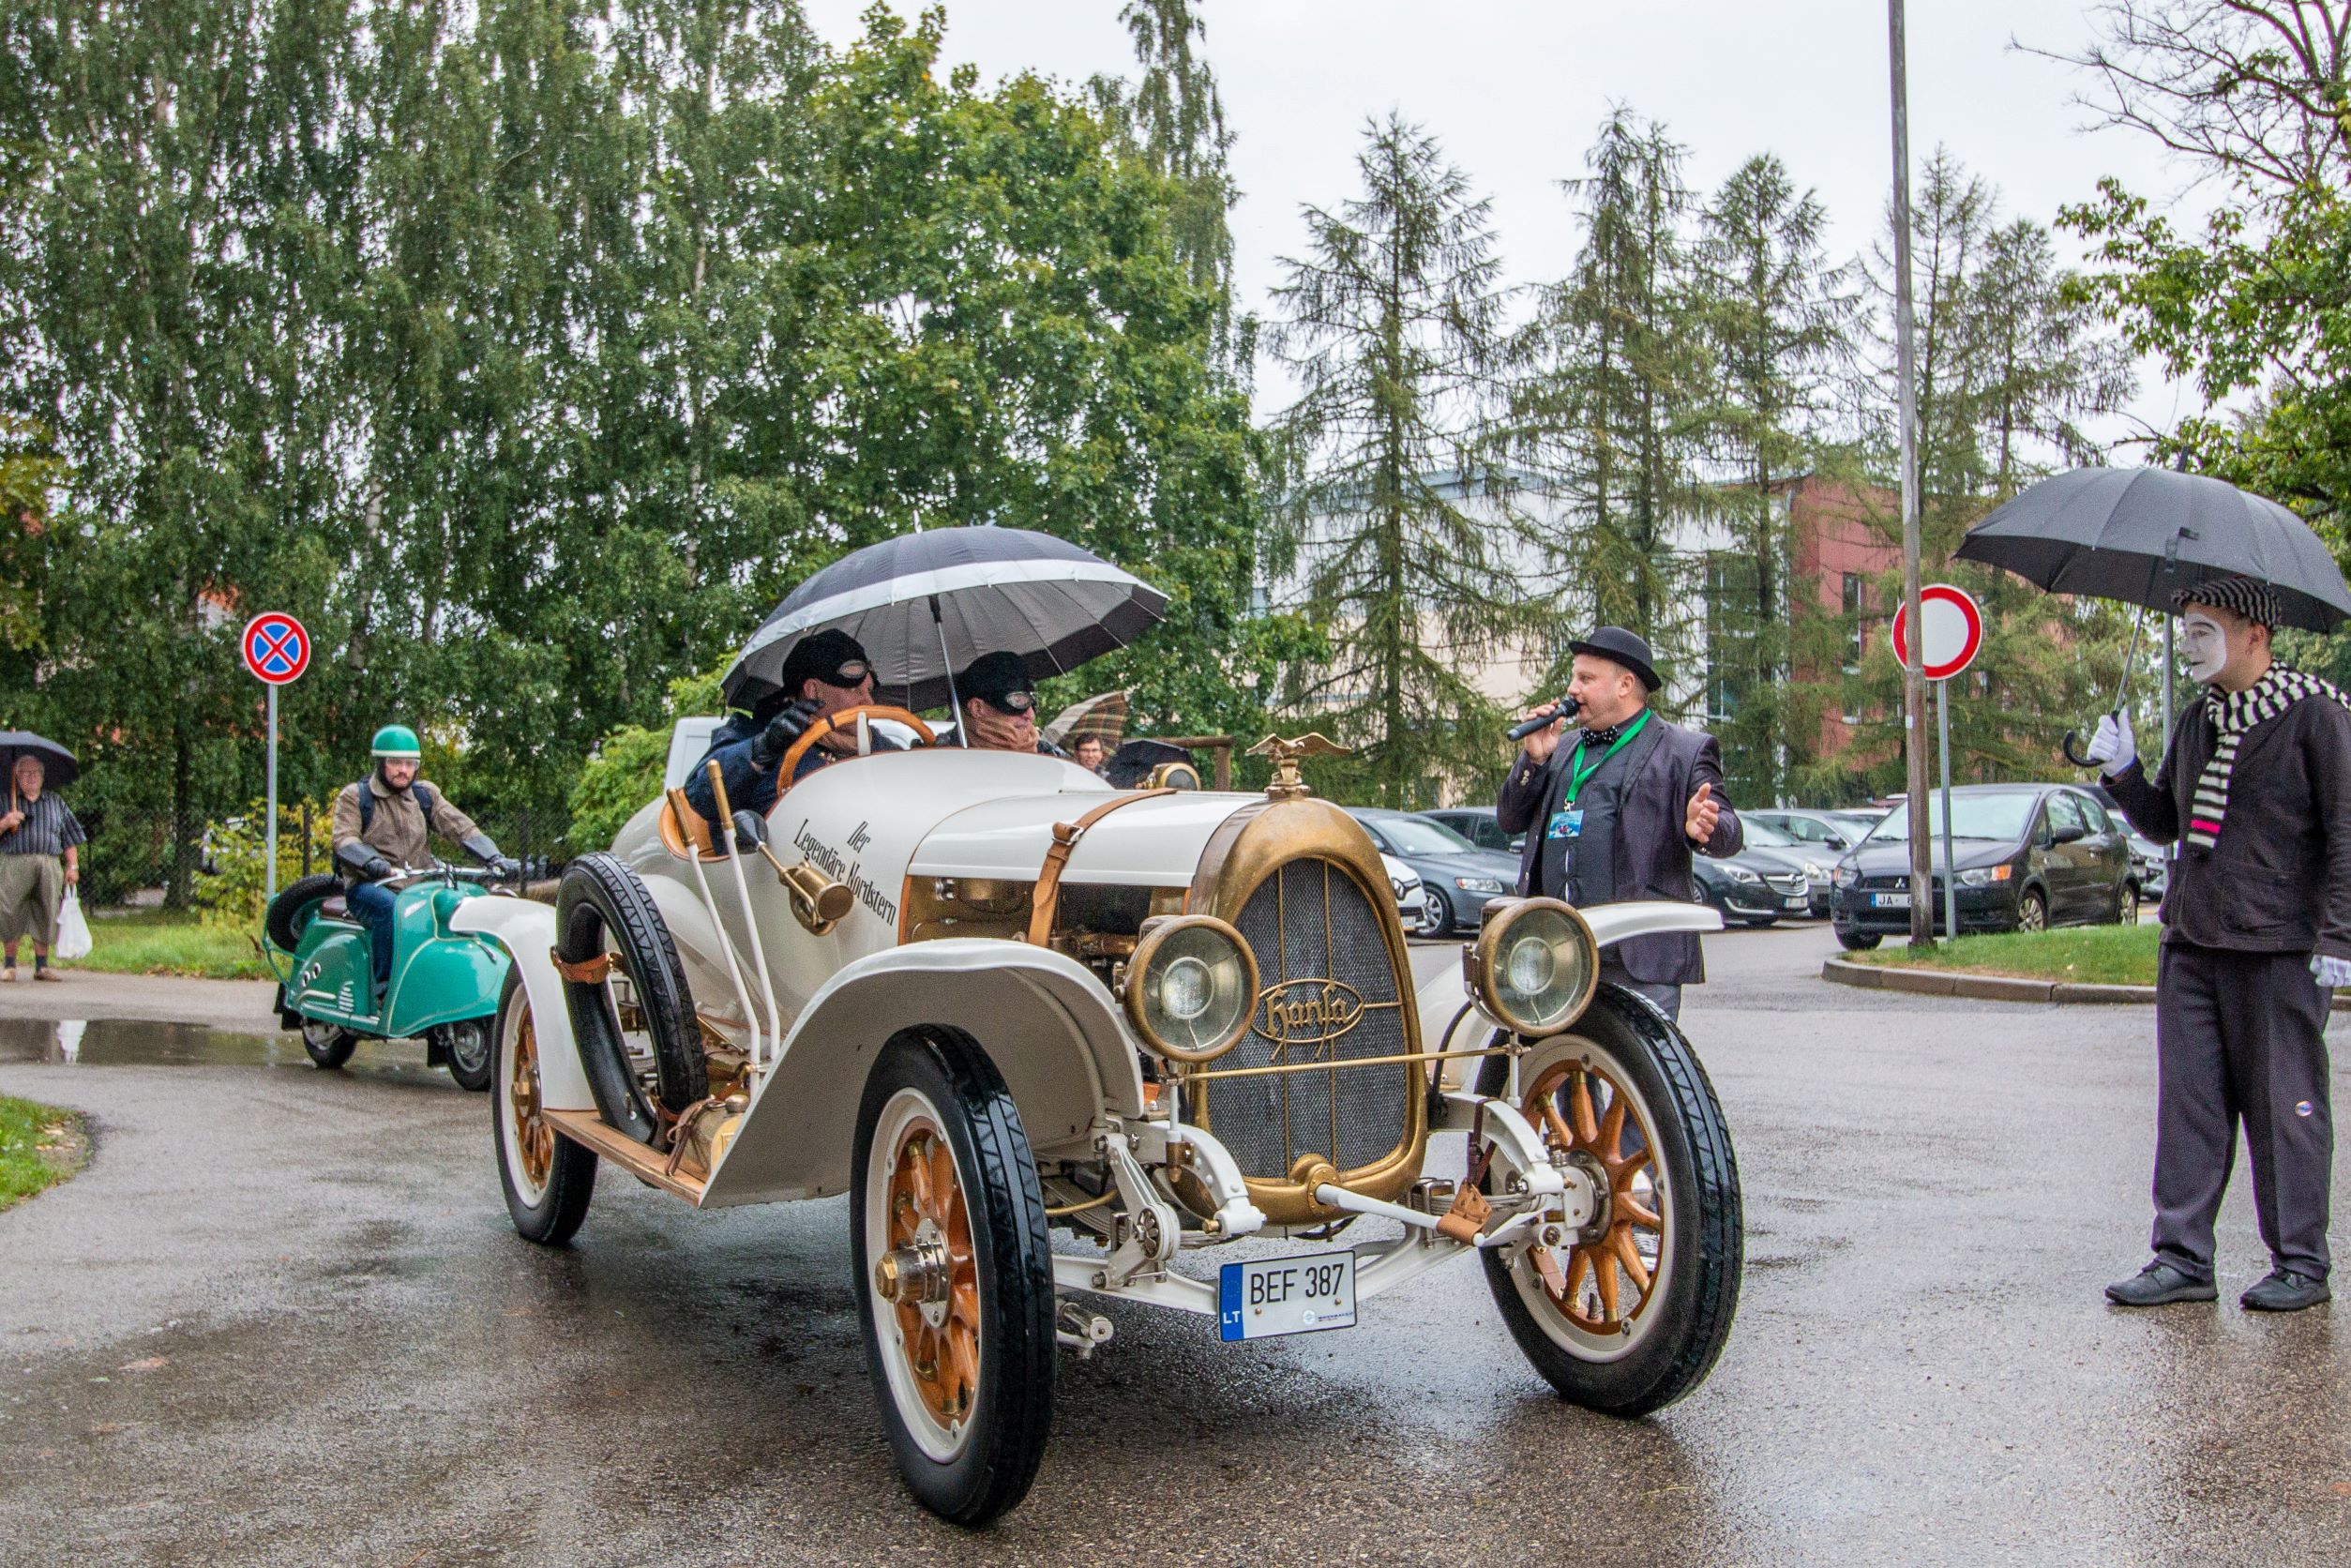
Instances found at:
x=424 y=800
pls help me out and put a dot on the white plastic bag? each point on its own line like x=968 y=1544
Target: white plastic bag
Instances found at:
x=73 y=932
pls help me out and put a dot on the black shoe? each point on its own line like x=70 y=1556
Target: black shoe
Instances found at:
x=2285 y=1292
x=2160 y=1285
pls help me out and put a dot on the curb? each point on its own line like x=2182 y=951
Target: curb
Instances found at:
x=1996 y=987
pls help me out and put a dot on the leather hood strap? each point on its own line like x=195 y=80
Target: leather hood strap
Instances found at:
x=1047 y=896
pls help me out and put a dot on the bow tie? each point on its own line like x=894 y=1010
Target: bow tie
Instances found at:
x=1601 y=737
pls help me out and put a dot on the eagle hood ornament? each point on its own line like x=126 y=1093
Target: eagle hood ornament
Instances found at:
x=1286 y=783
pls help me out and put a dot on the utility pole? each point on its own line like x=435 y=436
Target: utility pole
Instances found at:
x=1906 y=371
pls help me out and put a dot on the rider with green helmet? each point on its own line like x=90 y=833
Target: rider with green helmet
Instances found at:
x=385 y=823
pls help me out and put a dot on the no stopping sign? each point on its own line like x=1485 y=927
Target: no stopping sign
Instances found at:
x=1954 y=631
x=275 y=648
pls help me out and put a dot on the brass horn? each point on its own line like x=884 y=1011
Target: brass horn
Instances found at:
x=818 y=901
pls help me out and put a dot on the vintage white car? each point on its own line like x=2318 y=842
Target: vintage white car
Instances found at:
x=993 y=1000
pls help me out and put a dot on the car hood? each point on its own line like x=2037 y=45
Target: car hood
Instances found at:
x=1874 y=859
x=1468 y=863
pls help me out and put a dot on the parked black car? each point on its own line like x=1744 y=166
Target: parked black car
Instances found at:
x=1819 y=860
x=1459 y=878
x=2029 y=856
x=1477 y=824
x=1757 y=886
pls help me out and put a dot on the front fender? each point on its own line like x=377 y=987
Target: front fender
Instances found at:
x=1049 y=1025
x=527 y=931
x=1442 y=997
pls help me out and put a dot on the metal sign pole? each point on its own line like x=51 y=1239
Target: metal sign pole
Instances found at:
x=272 y=856
x=1950 y=866
x=1914 y=674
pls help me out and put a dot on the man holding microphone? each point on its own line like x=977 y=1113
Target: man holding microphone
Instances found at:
x=1616 y=814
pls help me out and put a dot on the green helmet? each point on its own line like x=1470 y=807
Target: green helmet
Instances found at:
x=396 y=743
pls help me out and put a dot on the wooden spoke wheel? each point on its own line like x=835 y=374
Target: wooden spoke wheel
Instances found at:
x=548 y=1178
x=955 y=1274
x=929 y=1276
x=1635 y=1313
x=1611 y=1271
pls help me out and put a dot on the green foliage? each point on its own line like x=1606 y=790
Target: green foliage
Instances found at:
x=166 y=941
x=1393 y=323
x=236 y=895
x=40 y=1146
x=625 y=770
x=2079 y=955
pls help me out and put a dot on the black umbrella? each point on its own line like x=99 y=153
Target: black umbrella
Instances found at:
x=1136 y=760
x=57 y=763
x=925 y=605
x=2140 y=534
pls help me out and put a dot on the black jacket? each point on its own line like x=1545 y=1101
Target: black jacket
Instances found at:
x=1651 y=854
x=2279 y=879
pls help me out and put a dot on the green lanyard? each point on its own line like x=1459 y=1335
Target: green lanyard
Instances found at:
x=1577 y=776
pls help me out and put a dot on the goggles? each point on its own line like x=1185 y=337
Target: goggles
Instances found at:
x=1013 y=702
x=856 y=672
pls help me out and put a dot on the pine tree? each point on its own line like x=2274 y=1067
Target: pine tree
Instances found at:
x=1779 y=320
x=1392 y=324
x=1605 y=414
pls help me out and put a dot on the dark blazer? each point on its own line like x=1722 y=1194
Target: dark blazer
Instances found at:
x=1651 y=854
x=2279 y=879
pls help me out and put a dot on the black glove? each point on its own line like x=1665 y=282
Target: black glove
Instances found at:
x=478 y=845
x=787 y=727
x=361 y=862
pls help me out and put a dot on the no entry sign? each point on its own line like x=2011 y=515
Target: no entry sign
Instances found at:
x=1954 y=631
x=275 y=648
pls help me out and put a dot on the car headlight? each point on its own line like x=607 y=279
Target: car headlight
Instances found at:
x=1534 y=965
x=1739 y=873
x=1190 y=986
x=1816 y=873
x=1845 y=876
x=1984 y=876
x=1477 y=884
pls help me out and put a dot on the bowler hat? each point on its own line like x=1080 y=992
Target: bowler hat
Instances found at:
x=1619 y=646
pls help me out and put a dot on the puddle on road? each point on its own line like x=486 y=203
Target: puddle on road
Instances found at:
x=130 y=1043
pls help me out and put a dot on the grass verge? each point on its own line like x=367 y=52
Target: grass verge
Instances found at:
x=165 y=941
x=40 y=1146
x=2082 y=955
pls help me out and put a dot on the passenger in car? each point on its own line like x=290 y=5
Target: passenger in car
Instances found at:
x=1000 y=707
x=826 y=673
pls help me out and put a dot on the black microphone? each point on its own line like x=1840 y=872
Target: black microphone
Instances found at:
x=1566 y=707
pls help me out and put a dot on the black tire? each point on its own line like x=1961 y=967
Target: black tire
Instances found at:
x=601 y=907
x=329 y=1046
x=1759 y=921
x=1859 y=941
x=466 y=1046
x=1440 y=920
x=548 y=1212
x=969 y=1474
x=295 y=906
x=2033 y=911
x=2127 y=904
x=1705 y=1225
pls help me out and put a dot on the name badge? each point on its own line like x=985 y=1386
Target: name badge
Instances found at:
x=1566 y=824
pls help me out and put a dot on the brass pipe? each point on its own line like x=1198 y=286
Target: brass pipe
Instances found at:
x=1053 y=1212
x=1344 y=1062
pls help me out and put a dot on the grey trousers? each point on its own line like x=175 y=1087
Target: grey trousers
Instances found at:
x=1667 y=998
x=2240 y=1037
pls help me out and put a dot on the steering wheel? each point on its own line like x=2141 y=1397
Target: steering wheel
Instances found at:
x=830 y=722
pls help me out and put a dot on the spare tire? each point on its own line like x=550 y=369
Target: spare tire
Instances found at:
x=601 y=906
x=295 y=907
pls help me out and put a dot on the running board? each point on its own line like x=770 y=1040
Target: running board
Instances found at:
x=649 y=1165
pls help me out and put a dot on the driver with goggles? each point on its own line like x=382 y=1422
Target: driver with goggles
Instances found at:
x=1000 y=707
x=824 y=674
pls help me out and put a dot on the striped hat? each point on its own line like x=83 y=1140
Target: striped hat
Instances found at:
x=2245 y=595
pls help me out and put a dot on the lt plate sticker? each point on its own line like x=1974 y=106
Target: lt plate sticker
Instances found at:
x=1302 y=1294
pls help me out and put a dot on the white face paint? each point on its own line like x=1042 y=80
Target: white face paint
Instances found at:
x=2206 y=644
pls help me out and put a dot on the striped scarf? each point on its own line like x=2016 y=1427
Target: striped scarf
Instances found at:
x=2234 y=716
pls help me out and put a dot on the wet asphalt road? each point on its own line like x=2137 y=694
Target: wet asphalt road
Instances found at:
x=282 y=1319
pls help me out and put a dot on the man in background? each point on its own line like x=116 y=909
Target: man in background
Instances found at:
x=39 y=860
x=1616 y=812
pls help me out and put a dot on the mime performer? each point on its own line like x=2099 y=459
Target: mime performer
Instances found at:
x=2256 y=787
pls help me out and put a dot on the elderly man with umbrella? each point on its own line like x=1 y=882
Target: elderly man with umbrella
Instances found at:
x=2256 y=785
x=39 y=851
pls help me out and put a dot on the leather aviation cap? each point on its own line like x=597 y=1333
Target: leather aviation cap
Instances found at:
x=396 y=743
x=1619 y=646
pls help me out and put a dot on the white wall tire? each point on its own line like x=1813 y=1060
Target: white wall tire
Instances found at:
x=548 y=1179
x=945 y=1207
x=1636 y=1316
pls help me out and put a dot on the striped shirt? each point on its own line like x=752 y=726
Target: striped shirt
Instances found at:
x=48 y=828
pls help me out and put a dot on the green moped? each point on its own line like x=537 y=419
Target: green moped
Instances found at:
x=444 y=983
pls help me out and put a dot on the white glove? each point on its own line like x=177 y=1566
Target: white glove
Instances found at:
x=2112 y=748
x=2335 y=973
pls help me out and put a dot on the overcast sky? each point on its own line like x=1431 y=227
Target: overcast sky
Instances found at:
x=1516 y=88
